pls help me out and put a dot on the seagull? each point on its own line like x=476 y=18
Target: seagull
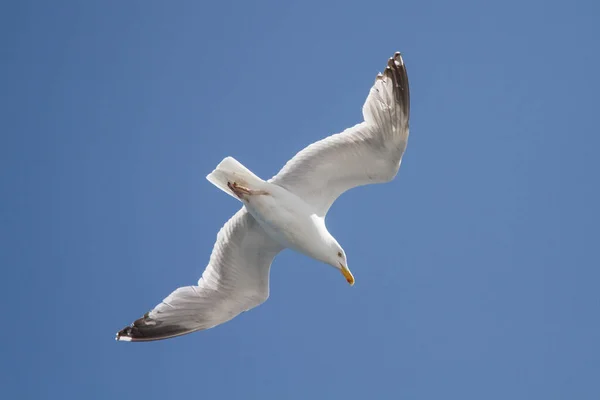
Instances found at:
x=286 y=211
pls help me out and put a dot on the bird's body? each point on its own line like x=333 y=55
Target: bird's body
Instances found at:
x=287 y=211
x=289 y=220
x=286 y=218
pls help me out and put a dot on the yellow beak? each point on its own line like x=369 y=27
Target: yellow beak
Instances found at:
x=347 y=274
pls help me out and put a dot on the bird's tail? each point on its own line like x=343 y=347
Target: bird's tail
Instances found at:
x=229 y=171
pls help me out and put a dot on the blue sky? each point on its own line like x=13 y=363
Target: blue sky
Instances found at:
x=477 y=268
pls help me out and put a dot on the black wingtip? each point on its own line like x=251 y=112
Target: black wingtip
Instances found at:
x=125 y=334
x=396 y=70
x=146 y=329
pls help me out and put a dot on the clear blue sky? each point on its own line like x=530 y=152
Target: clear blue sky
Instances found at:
x=477 y=269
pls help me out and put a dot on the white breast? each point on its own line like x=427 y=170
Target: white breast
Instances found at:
x=289 y=220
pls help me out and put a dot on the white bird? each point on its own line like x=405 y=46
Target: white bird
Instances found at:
x=287 y=211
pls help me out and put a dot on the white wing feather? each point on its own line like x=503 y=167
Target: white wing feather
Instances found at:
x=235 y=280
x=369 y=152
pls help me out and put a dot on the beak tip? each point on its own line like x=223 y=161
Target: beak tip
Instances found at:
x=347 y=274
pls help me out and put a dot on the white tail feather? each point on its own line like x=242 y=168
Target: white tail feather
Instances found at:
x=231 y=170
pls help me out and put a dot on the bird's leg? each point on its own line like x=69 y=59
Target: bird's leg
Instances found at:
x=240 y=191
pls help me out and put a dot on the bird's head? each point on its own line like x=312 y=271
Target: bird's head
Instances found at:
x=337 y=258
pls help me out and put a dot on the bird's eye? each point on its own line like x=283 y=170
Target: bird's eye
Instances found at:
x=339 y=253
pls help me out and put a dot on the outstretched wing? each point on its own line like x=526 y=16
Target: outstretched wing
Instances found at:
x=235 y=280
x=369 y=152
